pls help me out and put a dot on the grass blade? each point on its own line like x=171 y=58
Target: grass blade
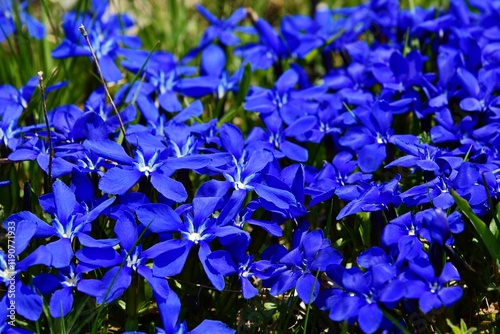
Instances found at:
x=489 y=240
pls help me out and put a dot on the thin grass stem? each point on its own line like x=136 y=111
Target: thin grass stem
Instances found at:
x=46 y=116
x=86 y=36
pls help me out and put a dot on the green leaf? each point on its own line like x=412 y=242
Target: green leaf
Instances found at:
x=489 y=240
x=240 y=97
x=270 y=306
x=494 y=228
x=455 y=329
x=462 y=329
x=494 y=225
x=244 y=85
x=314 y=53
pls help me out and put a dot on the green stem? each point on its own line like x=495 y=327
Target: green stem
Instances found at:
x=131 y=307
x=395 y=322
x=97 y=321
x=412 y=6
x=329 y=219
x=310 y=301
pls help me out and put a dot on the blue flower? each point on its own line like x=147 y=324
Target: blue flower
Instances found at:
x=401 y=236
x=35 y=148
x=432 y=292
x=446 y=131
x=245 y=217
x=8 y=25
x=374 y=197
x=206 y=326
x=162 y=72
x=436 y=190
x=198 y=230
x=338 y=177
x=400 y=73
x=151 y=162
x=61 y=287
x=304 y=34
x=471 y=186
x=270 y=49
x=289 y=103
x=477 y=92
x=70 y=220
x=214 y=78
x=222 y=29
x=28 y=302
x=275 y=136
x=105 y=35
x=97 y=103
x=298 y=267
x=425 y=157
x=244 y=172
x=12 y=103
x=371 y=136
x=364 y=294
x=118 y=278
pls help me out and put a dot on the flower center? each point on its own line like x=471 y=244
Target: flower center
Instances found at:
x=195 y=237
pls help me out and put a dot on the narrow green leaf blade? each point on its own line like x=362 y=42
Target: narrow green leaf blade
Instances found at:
x=489 y=240
x=244 y=85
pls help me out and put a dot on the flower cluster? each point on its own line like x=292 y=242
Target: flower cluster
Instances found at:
x=206 y=176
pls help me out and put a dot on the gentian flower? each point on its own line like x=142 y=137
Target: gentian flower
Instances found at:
x=247 y=270
x=365 y=293
x=12 y=104
x=283 y=99
x=198 y=230
x=471 y=186
x=206 y=326
x=244 y=173
x=402 y=72
x=7 y=17
x=28 y=302
x=35 y=148
x=304 y=34
x=153 y=163
x=401 y=236
x=447 y=131
x=214 y=78
x=371 y=136
x=97 y=103
x=375 y=197
x=432 y=292
x=298 y=267
x=338 y=177
x=330 y=120
x=70 y=220
x=438 y=227
x=270 y=49
x=7 y=324
x=61 y=287
x=404 y=234
x=131 y=254
x=245 y=217
x=436 y=190
x=14 y=101
x=274 y=138
x=222 y=29
x=162 y=72
x=351 y=83
x=478 y=92
x=105 y=35
x=425 y=157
